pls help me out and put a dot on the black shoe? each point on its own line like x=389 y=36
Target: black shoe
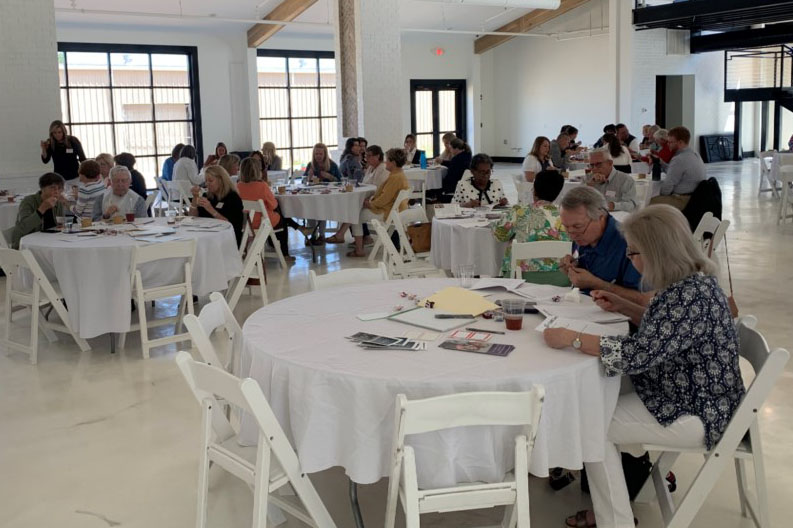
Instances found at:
x=559 y=478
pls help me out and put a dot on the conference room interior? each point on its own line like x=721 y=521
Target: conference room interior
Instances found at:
x=108 y=437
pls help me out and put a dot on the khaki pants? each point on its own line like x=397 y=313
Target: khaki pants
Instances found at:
x=678 y=201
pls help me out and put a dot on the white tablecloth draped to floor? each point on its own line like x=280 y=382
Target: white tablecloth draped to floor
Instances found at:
x=337 y=206
x=8 y=212
x=94 y=273
x=466 y=241
x=433 y=177
x=336 y=401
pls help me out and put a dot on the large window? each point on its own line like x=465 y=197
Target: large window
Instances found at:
x=436 y=108
x=297 y=103
x=137 y=99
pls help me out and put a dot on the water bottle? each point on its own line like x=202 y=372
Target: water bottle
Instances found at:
x=423 y=160
x=656 y=169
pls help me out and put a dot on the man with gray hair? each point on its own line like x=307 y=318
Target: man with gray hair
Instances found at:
x=119 y=200
x=558 y=150
x=618 y=187
x=598 y=261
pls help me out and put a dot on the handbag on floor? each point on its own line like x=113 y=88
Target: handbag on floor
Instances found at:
x=420 y=236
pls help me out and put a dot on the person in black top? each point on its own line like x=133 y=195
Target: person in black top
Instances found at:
x=138 y=182
x=608 y=129
x=221 y=202
x=413 y=153
x=65 y=151
x=460 y=162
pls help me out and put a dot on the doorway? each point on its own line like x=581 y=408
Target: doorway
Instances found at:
x=674 y=101
x=436 y=108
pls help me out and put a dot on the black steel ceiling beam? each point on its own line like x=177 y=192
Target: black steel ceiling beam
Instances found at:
x=714 y=15
x=746 y=38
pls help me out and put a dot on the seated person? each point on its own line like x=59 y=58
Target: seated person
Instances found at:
x=90 y=188
x=685 y=171
x=618 y=187
x=530 y=223
x=608 y=129
x=460 y=162
x=619 y=153
x=138 y=182
x=379 y=205
x=214 y=159
x=230 y=162
x=601 y=263
x=446 y=155
x=539 y=159
x=376 y=173
x=221 y=201
x=40 y=211
x=251 y=187
x=119 y=199
x=321 y=168
x=350 y=165
x=479 y=189
x=559 y=151
x=683 y=363
x=413 y=154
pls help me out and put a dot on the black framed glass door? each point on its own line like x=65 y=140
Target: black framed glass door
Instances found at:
x=436 y=107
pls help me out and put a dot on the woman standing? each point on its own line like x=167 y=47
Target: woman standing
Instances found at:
x=682 y=362
x=65 y=151
x=221 y=202
x=539 y=159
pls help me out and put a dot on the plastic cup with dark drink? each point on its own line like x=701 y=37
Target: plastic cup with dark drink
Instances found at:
x=513 y=313
x=130 y=217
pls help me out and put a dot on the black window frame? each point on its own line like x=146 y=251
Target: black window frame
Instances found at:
x=297 y=54
x=434 y=86
x=193 y=87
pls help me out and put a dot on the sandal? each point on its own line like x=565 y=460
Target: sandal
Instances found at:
x=335 y=240
x=579 y=520
x=355 y=254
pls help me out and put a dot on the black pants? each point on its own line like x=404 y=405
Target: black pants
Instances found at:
x=283 y=235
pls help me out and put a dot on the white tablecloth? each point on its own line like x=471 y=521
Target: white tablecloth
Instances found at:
x=646 y=189
x=466 y=241
x=336 y=206
x=8 y=212
x=433 y=177
x=94 y=273
x=336 y=401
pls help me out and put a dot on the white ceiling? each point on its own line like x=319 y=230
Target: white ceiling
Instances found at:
x=413 y=14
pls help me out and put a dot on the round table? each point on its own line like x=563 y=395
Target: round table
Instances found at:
x=336 y=400
x=457 y=242
x=646 y=189
x=336 y=205
x=94 y=273
x=8 y=212
x=433 y=176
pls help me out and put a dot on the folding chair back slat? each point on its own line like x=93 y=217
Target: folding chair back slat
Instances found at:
x=539 y=249
x=348 y=276
x=213 y=316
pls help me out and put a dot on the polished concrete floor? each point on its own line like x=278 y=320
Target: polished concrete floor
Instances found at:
x=94 y=440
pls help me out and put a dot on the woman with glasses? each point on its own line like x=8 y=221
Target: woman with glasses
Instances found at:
x=682 y=363
x=478 y=189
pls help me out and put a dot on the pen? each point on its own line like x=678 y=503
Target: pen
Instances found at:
x=485 y=331
x=454 y=316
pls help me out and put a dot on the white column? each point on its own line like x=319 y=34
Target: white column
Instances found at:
x=29 y=92
x=621 y=35
x=369 y=65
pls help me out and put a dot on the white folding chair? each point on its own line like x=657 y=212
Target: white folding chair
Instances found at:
x=6 y=236
x=710 y=232
x=766 y=176
x=267 y=468
x=399 y=220
x=144 y=294
x=347 y=277
x=252 y=263
x=398 y=267
x=785 y=174
x=534 y=250
x=41 y=294
x=461 y=410
x=740 y=442
x=215 y=315
x=178 y=194
x=257 y=206
x=418 y=184
x=524 y=188
x=150 y=202
x=403 y=195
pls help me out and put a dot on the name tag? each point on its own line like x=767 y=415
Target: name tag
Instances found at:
x=611 y=194
x=69 y=151
x=219 y=205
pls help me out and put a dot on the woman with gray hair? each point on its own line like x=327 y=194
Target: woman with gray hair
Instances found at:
x=682 y=362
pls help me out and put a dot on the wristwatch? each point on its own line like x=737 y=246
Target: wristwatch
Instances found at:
x=577 y=341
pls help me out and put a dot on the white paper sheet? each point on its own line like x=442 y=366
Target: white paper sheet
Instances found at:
x=585 y=311
x=582 y=326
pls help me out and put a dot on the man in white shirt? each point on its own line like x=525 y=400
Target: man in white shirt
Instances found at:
x=119 y=200
x=618 y=187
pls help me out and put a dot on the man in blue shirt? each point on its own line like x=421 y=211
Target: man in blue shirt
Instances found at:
x=598 y=261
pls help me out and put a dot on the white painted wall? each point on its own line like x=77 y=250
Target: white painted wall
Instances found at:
x=223 y=63
x=29 y=88
x=537 y=85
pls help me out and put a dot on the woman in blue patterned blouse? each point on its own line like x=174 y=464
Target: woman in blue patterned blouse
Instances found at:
x=682 y=362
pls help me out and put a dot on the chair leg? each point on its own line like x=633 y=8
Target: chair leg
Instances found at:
x=34 y=327
x=759 y=476
x=740 y=475
x=277 y=246
x=261 y=486
x=144 y=329
x=262 y=283
x=375 y=249
x=203 y=490
x=48 y=333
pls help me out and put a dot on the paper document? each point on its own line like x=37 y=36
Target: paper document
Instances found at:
x=492 y=284
x=425 y=318
x=541 y=292
x=459 y=301
x=582 y=326
x=584 y=311
x=447 y=211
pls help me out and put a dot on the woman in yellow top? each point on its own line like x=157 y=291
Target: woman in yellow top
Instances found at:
x=379 y=205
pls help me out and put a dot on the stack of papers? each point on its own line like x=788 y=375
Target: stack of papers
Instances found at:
x=448 y=211
x=458 y=301
x=373 y=341
x=582 y=326
x=584 y=311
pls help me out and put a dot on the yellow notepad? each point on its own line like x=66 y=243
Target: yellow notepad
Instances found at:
x=459 y=301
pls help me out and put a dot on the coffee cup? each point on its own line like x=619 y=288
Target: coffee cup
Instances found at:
x=118 y=220
x=85 y=222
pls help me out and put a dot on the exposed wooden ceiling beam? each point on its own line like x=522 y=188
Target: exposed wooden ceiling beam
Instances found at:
x=286 y=11
x=524 y=24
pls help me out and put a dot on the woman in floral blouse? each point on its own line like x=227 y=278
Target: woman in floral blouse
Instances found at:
x=682 y=362
x=530 y=223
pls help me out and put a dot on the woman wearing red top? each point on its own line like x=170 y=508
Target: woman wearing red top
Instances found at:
x=660 y=138
x=252 y=187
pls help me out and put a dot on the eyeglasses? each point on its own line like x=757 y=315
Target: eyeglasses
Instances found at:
x=578 y=228
x=631 y=254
